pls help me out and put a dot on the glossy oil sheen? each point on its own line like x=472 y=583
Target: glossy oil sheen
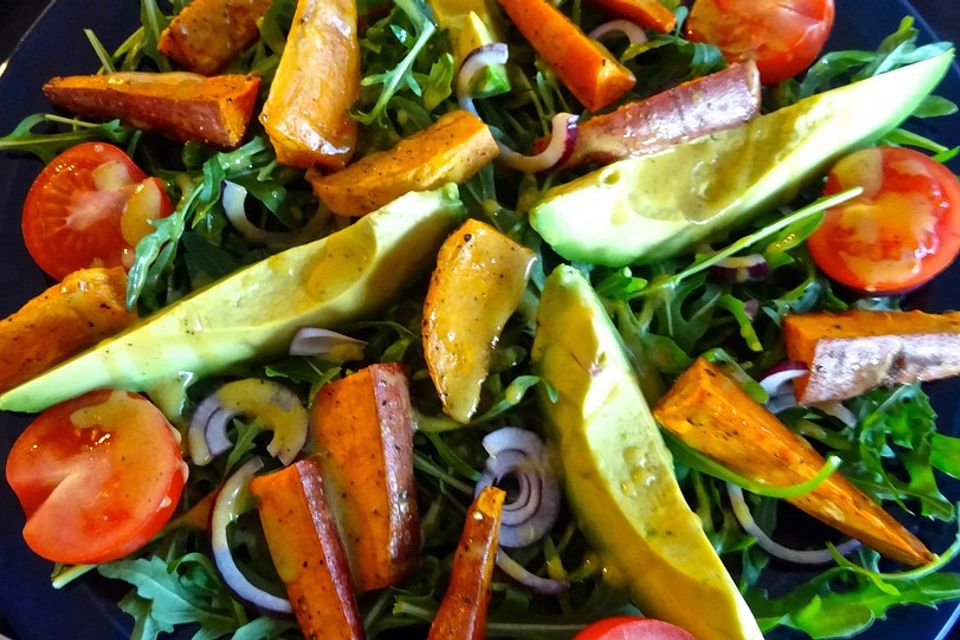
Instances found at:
x=87 y=610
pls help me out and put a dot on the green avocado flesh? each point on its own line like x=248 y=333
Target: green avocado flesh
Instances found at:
x=254 y=312
x=648 y=208
x=619 y=474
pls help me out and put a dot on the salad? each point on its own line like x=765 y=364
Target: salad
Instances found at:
x=525 y=337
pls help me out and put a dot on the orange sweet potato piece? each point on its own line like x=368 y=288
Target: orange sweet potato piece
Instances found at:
x=463 y=611
x=693 y=109
x=62 y=321
x=183 y=106
x=317 y=81
x=208 y=34
x=362 y=432
x=852 y=352
x=452 y=149
x=591 y=73
x=306 y=551
x=649 y=14
x=714 y=415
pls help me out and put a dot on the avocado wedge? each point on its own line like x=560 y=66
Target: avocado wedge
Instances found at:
x=619 y=474
x=652 y=207
x=254 y=312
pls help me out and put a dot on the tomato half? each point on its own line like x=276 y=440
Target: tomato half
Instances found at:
x=97 y=476
x=632 y=628
x=900 y=233
x=783 y=37
x=89 y=207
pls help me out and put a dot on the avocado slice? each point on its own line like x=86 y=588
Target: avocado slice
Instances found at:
x=619 y=474
x=254 y=312
x=652 y=207
x=472 y=24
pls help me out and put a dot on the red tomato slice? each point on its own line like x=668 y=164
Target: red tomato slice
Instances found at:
x=900 y=233
x=632 y=628
x=89 y=207
x=97 y=476
x=784 y=37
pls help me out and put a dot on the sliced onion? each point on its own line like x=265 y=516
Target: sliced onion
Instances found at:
x=234 y=199
x=799 y=556
x=779 y=375
x=518 y=572
x=741 y=269
x=520 y=454
x=777 y=404
x=563 y=140
x=274 y=405
x=477 y=60
x=227 y=509
x=838 y=411
x=330 y=345
x=633 y=31
x=751 y=307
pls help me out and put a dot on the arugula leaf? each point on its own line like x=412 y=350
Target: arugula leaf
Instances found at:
x=46 y=146
x=188 y=592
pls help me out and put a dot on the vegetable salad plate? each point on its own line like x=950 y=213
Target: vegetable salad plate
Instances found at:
x=689 y=309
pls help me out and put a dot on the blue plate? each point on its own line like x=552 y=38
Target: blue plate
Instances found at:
x=29 y=608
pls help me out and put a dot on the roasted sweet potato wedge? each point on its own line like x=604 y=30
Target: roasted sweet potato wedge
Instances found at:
x=208 y=34
x=650 y=14
x=693 y=109
x=181 y=105
x=463 y=611
x=480 y=277
x=62 y=321
x=714 y=415
x=584 y=66
x=852 y=352
x=307 y=112
x=362 y=433
x=302 y=537
x=452 y=149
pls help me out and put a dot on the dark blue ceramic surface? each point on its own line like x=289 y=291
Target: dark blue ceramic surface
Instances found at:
x=29 y=608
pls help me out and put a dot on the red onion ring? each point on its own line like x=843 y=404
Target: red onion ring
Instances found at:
x=779 y=375
x=518 y=572
x=563 y=140
x=521 y=454
x=227 y=509
x=634 y=32
x=741 y=510
x=741 y=269
x=313 y=341
x=480 y=58
x=234 y=198
x=276 y=406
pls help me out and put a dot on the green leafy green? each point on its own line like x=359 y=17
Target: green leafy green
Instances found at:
x=24 y=138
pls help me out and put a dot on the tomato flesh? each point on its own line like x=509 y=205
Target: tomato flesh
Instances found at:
x=89 y=207
x=97 y=476
x=632 y=628
x=783 y=37
x=901 y=232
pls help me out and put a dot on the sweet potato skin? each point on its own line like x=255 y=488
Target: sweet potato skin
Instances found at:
x=463 y=612
x=208 y=34
x=307 y=112
x=85 y=307
x=183 y=106
x=306 y=551
x=452 y=149
x=852 y=352
x=713 y=414
x=362 y=432
x=591 y=73
x=693 y=109
x=649 y=14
